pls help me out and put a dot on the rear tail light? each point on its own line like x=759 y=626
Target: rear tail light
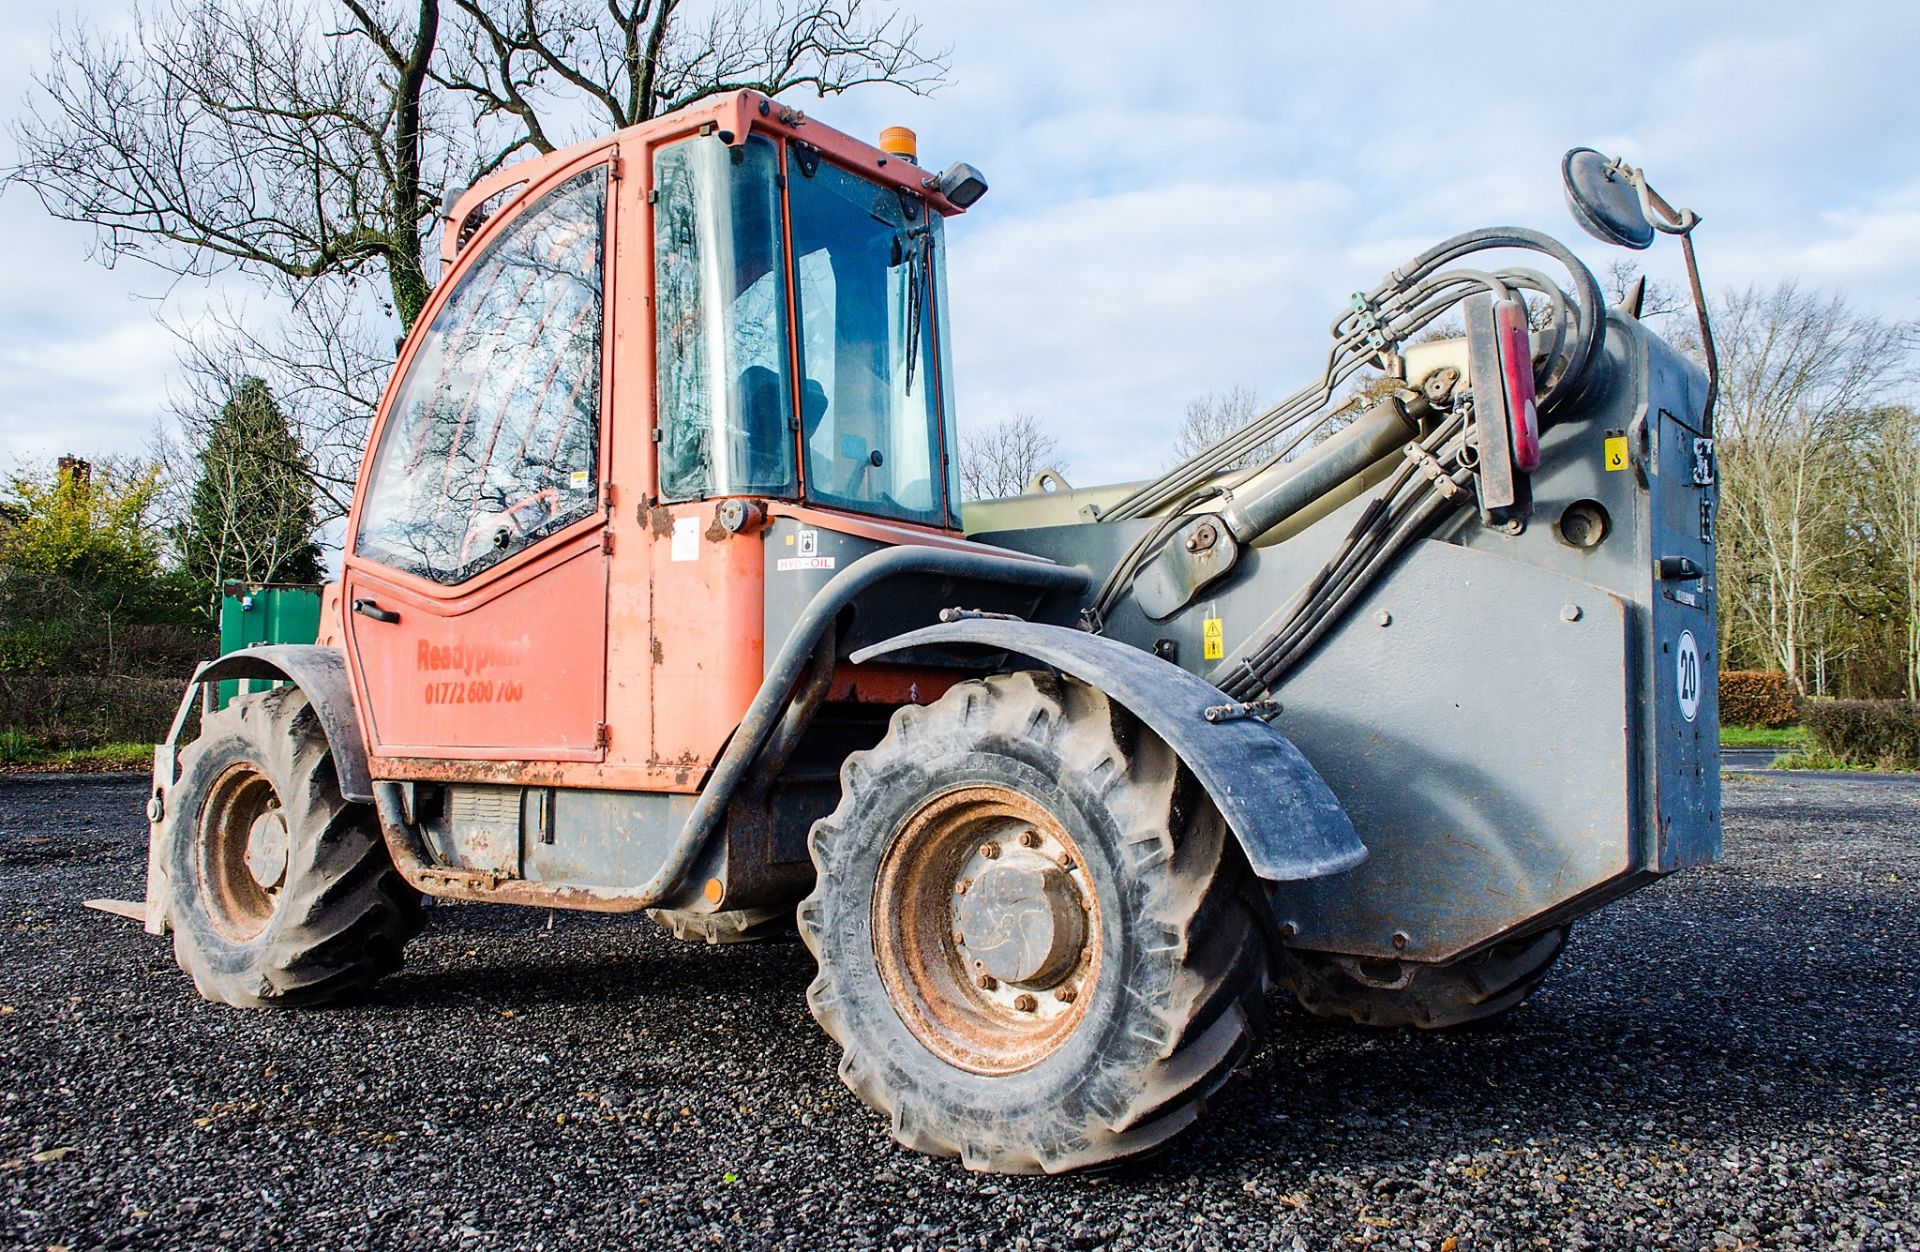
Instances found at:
x=1516 y=369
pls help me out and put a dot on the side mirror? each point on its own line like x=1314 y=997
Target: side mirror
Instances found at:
x=1604 y=200
x=962 y=184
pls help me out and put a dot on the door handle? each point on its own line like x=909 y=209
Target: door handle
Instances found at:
x=367 y=608
x=1679 y=569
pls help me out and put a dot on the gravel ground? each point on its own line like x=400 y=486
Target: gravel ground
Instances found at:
x=1724 y=1060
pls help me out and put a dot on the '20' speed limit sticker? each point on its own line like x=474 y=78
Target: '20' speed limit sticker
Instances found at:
x=1687 y=675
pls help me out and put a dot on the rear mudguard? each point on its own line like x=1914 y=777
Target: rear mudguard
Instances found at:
x=320 y=672
x=1288 y=821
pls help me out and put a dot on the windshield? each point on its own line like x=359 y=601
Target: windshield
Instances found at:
x=862 y=256
x=863 y=396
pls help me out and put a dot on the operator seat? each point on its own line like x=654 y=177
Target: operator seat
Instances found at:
x=763 y=428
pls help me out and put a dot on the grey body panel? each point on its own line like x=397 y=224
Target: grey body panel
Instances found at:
x=901 y=604
x=321 y=672
x=1287 y=820
x=591 y=840
x=1506 y=768
x=1491 y=766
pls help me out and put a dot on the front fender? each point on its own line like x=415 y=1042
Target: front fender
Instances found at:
x=1288 y=821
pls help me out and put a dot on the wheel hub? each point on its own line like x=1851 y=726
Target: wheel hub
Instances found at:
x=1020 y=917
x=986 y=931
x=242 y=854
x=267 y=850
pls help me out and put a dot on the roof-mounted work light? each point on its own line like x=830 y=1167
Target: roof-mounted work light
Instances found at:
x=962 y=184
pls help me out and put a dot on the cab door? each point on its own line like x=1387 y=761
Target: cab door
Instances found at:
x=475 y=587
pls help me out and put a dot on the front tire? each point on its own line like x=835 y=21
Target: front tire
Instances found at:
x=1039 y=945
x=281 y=891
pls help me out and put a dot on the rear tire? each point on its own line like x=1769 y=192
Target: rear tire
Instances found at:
x=281 y=891
x=727 y=925
x=1398 y=994
x=1130 y=983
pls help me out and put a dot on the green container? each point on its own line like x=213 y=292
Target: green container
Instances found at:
x=264 y=613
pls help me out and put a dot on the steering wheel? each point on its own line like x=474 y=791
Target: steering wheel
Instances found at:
x=509 y=524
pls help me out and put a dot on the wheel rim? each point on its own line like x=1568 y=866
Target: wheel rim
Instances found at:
x=985 y=929
x=243 y=852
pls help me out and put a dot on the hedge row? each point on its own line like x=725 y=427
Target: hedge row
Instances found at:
x=1752 y=697
x=1885 y=733
x=86 y=711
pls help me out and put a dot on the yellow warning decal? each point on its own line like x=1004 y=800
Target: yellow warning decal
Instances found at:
x=1213 y=639
x=1616 y=452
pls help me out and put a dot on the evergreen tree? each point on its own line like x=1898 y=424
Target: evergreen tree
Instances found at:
x=251 y=515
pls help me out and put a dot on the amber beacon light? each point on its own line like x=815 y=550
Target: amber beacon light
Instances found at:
x=901 y=142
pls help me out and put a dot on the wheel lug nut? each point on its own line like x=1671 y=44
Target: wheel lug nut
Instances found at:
x=960 y=888
x=1029 y=838
x=1064 y=994
x=991 y=851
x=1025 y=1003
x=986 y=982
x=959 y=939
x=1066 y=861
x=1086 y=956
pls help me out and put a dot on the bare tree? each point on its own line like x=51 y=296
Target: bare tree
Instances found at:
x=552 y=66
x=1658 y=300
x=325 y=356
x=1890 y=503
x=307 y=145
x=1003 y=458
x=246 y=134
x=1797 y=371
x=1213 y=417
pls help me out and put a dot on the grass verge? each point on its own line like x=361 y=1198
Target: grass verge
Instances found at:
x=1813 y=758
x=1763 y=736
x=22 y=753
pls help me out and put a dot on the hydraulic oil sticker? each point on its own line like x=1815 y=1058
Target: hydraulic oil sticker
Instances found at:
x=686 y=538
x=1213 y=639
x=1687 y=675
x=808 y=554
x=1616 y=453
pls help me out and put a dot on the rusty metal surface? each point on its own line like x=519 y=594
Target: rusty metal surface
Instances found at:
x=241 y=855
x=411 y=858
x=989 y=980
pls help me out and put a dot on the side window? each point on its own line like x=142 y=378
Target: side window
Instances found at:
x=726 y=412
x=493 y=438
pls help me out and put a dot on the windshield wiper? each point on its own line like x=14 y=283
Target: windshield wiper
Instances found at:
x=919 y=246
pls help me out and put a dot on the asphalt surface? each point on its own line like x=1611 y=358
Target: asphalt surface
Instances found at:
x=1727 y=1059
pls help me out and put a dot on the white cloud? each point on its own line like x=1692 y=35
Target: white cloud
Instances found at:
x=1182 y=196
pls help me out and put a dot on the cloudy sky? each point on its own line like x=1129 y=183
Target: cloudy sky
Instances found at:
x=1184 y=193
